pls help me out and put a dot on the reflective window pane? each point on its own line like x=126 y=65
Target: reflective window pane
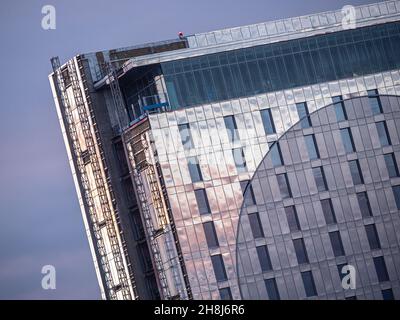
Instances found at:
x=380 y=268
x=340 y=110
x=374 y=101
x=211 y=235
x=194 y=169
x=320 y=180
x=272 y=289
x=225 y=293
x=248 y=193
x=303 y=113
x=347 y=140
x=231 y=127
x=372 y=235
x=391 y=165
x=363 y=202
x=186 y=137
x=264 y=258
x=356 y=172
x=387 y=294
x=300 y=249
x=396 y=192
x=239 y=159
x=328 y=211
x=311 y=145
x=308 y=282
x=268 y=121
x=292 y=219
x=383 y=133
x=277 y=66
x=202 y=201
x=336 y=242
x=276 y=155
x=219 y=267
x=284 y=186
x=255 y=224
x=342 y=272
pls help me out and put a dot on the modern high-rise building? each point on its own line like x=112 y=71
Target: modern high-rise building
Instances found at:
x=256 y=162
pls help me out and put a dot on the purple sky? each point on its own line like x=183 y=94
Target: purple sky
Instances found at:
x=40 y=220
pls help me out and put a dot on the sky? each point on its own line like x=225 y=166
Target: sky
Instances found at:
x=40 y=220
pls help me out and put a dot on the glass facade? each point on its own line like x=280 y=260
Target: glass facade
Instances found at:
x=314 y=233
x=250 y=104
x=278 y=66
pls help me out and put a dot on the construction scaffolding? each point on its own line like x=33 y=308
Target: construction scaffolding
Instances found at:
x=139 y=163
x=118 y=101
x=160 y=230
x=90 y=162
